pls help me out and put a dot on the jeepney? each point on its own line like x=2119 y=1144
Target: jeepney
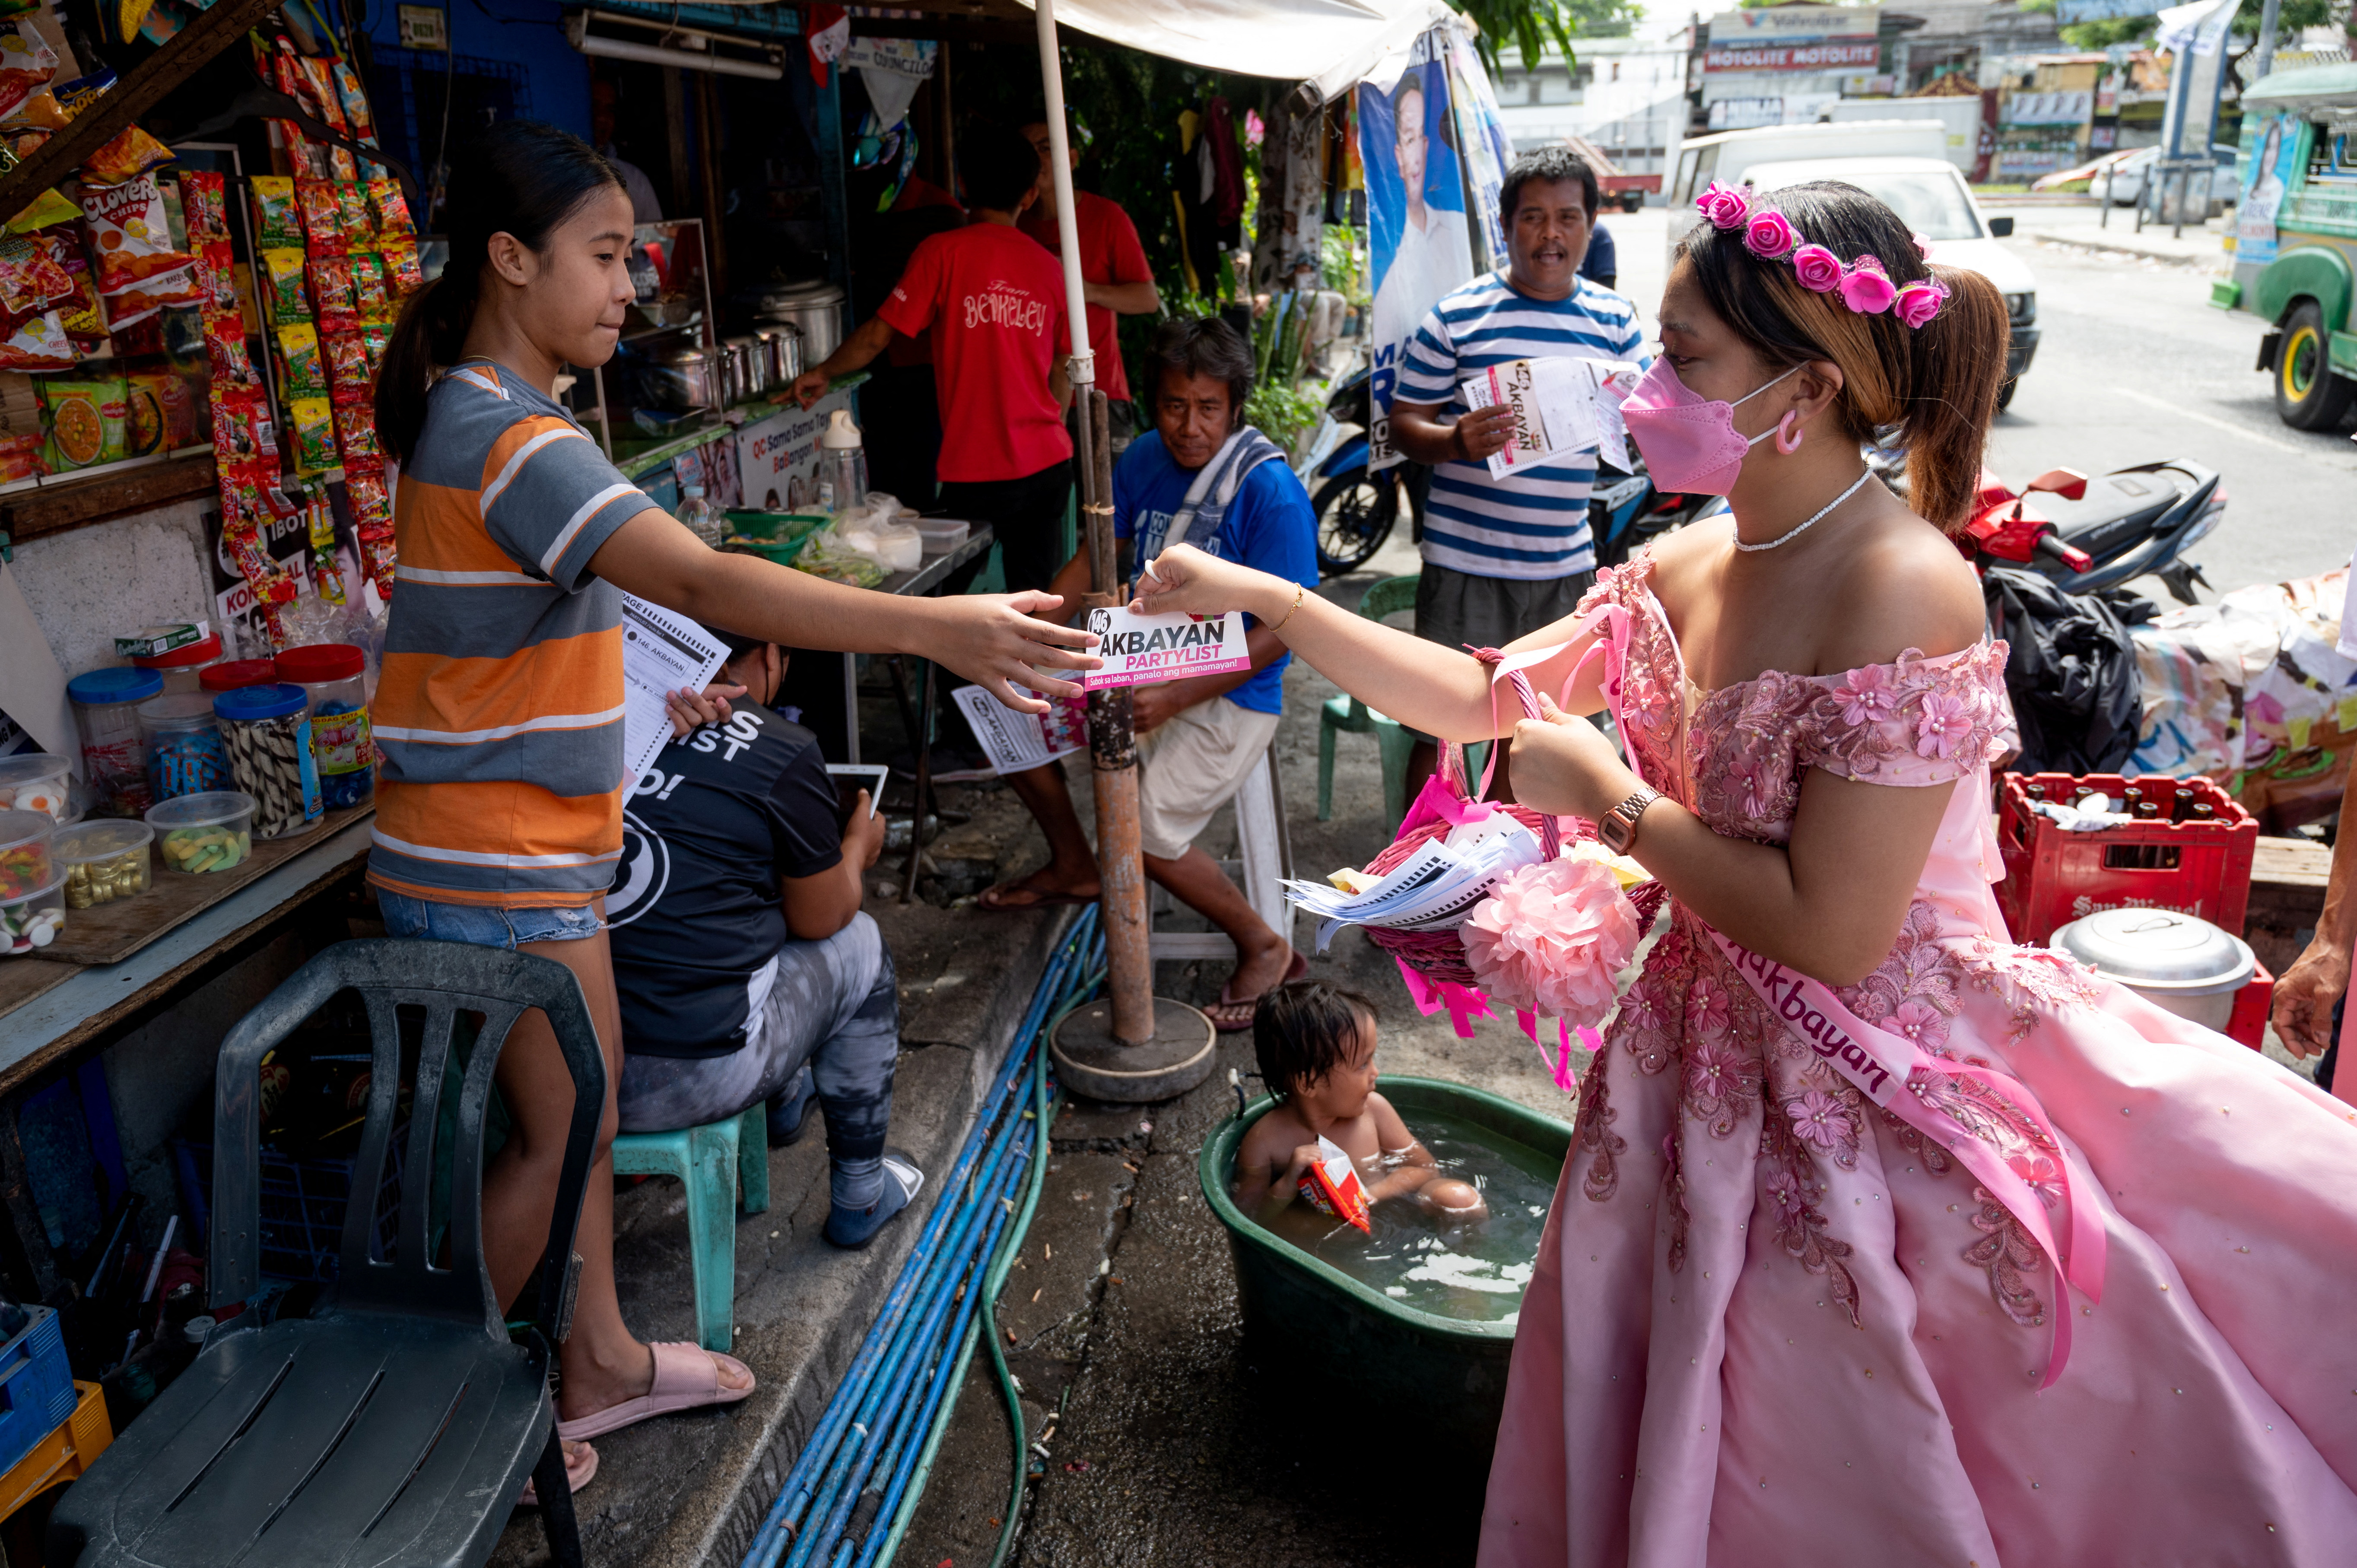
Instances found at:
x=2294 y=238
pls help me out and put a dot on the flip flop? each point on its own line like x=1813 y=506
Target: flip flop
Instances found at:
x=1034 y=898
x=1228 y=998
x=687 y=1377
x=580 y=1468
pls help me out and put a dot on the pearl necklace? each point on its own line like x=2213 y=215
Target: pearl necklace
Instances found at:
x=1855 y=486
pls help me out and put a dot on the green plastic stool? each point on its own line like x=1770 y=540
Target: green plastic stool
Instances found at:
x=716 y=1162
x=1388 y=597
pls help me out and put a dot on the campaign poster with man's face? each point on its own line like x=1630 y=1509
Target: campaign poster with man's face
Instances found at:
x=1419 y=248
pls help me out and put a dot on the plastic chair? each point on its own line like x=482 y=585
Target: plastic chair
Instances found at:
x=1388 y=597
x=714 y=1162
x=398 y=1423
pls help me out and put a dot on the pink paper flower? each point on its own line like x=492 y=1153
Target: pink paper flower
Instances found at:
x=1725 y=206
x=1945 y=724
x=1818 y=268
x=1918 y=301
x=1821 y=1119
x=1923 y=246
x=1865 y=288
x=1552 y=938
x=1768 y=236
x=1867 y=696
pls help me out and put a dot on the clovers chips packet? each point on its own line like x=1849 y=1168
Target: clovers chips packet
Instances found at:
x=129 y=233
x=39 y=343
x=84 y=417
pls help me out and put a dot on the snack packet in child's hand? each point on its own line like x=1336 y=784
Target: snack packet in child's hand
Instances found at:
x=277 y=221
x=1331 y=1186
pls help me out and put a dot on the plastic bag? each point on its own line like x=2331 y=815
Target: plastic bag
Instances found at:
x=2071 y=673
x=829 y=555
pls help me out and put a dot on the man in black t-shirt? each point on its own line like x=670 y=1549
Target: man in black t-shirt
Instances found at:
x=747 y=972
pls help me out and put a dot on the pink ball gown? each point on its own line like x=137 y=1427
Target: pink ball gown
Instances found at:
x=1771 y=1324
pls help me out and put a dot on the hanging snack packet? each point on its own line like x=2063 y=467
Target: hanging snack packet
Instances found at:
x=26 y=63
x=356 y=439
x=80 y=315
x=301 y=372
x=376 y=340
x=49 y=210
x=1331 y=1186
x=348 y=368
x=217 y=274
x=283 y=298
x=130 y=236
x=372 y=503
x=331 y=294
x=163 y=412
x=132 y=154
x=314 y=419
x=369 y=295
x=392 y=210
x=242 y=428
x=142 y=300
x=77 y=95
x=323 y=216
x=403 y=276
x=39 y=343
x=204 y=203
x=353 y=216
x=225 y=351
x=358 y=117
x=20 y=458
x=277 y=221
x=83 y=418
x=30 y=278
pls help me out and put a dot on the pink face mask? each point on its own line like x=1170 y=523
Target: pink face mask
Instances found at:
x=1690 y=444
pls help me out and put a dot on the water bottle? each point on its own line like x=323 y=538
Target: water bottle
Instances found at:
x=841 y=466
x=702 y=519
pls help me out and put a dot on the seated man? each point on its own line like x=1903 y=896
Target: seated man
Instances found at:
x=1204 y=476
x=747 y=972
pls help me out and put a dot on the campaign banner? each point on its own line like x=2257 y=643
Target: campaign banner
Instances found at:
x=2282 y=152
x=1142 y=650
x=777 y=457
x=1847 y=55
x=1419 y=246
x=1488 y=151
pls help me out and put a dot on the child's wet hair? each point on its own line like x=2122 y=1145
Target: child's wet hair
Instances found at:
x=1303 y=1031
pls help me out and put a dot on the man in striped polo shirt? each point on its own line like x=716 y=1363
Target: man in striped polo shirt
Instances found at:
x=1505 y=557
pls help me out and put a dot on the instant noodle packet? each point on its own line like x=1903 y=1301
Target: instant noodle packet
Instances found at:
x=162 y=411
x=323 y=216
x=1331 y=1186
x=281 y=282
x=84 y=417
x=346 y=358
x=130 y=236
x=132 y=154
x=39 y=343
x=301 y=371
x=331 y=294
x=204 y=204
x=314 y=419
x=277 y=221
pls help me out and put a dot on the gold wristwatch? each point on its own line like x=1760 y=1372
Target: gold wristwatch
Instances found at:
x=1618 y=827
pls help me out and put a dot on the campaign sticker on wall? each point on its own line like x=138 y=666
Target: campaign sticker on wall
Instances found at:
x=1139 y=650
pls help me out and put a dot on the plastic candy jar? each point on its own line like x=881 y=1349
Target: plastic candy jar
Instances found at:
x=183 y=668
x=102 y=861
x=25 y=863
x=230 y=674
x=329 y=675
x=269 y=738
x=113 y=752
x=36 y=781
x=197 y=834
x=32 y=922
x=186 y=755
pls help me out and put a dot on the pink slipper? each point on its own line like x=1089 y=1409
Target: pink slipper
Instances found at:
x=580 y=1468
x=687 y=1377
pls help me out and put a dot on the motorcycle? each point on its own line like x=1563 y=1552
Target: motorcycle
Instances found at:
x=1357 y=510
x=2096 y=533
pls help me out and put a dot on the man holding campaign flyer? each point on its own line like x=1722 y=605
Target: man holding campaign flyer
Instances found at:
x=1505 y=555
x=1204 y=476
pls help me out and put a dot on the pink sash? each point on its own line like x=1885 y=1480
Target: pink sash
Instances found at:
x=1893 y=1072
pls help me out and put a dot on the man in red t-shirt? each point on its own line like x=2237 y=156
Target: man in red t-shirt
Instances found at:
x=995 y=301
x=1115 y=278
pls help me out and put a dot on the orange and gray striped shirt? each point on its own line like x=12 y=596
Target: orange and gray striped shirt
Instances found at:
x=499 y=714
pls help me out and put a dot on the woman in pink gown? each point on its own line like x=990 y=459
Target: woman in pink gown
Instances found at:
x=1772 y=1322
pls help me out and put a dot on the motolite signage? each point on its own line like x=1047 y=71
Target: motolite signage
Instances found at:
x=1854 y=54
x=1794 y=37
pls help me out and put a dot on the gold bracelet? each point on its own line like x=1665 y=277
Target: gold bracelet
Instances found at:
x=1297 y=591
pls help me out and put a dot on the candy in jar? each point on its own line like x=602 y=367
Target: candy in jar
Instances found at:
x=199 y=833
x=269 y=737
x=35 y=781
x=32 y=923
x=104 y=860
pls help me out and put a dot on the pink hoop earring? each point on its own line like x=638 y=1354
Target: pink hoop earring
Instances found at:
x=1788 y=440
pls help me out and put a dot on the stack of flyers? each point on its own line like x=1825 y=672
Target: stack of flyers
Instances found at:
x=1561 y=406
x=1435 y=888
x=1017 y=742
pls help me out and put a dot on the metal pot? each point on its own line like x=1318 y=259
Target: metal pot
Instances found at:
x=752 y=356
x=686 y=377
x=815 y=308
x=783 y=342
x=2180 y=963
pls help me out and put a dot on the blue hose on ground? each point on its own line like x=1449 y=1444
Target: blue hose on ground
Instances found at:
x=856 y=1466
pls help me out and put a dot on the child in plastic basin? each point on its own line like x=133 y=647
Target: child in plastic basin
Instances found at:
x=1315 y=1043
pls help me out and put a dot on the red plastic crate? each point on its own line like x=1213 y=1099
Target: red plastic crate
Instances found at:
x=2252 y=1003
x=2053 y=876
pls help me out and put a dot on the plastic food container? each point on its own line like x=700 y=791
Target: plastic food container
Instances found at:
x=24 y=863
x=232 y=675
x=36 y=781
x=942 y=534
x=268 y=732
x=183 y=668
x=328 y=674
x=102 y=861
x=113 y=752
x=197 y=834
x=185 y=752
x=32 y=922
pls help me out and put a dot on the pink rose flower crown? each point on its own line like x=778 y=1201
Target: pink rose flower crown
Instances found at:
x=1863 y=284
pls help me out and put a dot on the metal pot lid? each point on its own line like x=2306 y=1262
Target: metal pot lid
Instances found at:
x=687 y=354
x=2157 y=950
x=812 y=291
x=769 y=329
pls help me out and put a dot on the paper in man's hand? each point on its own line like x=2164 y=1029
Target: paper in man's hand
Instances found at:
x=1562 y=406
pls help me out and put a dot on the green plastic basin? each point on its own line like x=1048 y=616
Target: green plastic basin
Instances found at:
x=1439 y=1378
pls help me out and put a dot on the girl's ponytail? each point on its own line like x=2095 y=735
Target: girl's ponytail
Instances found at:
x=518 y=178
x=1958 y=363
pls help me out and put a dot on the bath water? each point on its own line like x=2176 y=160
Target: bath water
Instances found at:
x=1472 y=1271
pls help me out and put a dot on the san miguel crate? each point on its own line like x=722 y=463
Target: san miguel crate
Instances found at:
x=2055 y=875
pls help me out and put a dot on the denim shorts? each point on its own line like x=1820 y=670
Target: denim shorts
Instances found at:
x=480 y=925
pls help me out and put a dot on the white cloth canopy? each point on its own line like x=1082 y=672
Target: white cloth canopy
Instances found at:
x=1329 y=42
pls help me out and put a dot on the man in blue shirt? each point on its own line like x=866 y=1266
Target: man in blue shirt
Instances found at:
x=1503 y=557
x=1204 y=476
